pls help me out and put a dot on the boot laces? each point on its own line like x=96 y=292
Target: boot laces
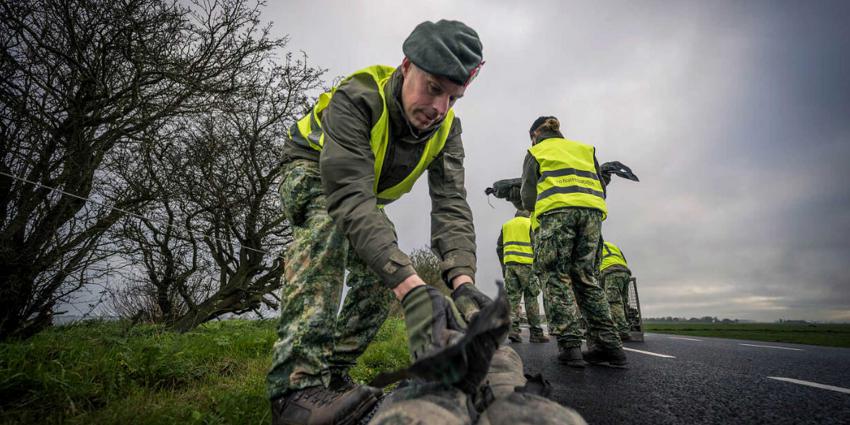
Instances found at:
x=318 y=395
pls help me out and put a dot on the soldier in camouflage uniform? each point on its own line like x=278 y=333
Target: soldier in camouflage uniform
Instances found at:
x=560 y=183
x=615 y=276
x=515 y=255
x=362 y=146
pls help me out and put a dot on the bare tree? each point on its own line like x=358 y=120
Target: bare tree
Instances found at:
x=235 y=159
x=216 y=242
x=81 y=81
x=427 y=266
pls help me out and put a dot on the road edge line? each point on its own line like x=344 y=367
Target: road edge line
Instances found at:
x=811 y=384
x=666 y=356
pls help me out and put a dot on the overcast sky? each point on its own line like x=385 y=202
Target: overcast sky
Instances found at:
x=735 y=116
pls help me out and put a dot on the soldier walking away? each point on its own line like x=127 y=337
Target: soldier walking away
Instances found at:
x=362 y=146
x=516 y=255
x=561 y=185
x=615 y=276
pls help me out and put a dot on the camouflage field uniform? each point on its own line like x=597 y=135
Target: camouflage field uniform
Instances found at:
x=616 y=284
x=329 y=199
x=429 y=403
x=311 y=341
x=565 y=264
x=519 y=285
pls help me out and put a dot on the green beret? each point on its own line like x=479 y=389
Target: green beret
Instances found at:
x=446 y=48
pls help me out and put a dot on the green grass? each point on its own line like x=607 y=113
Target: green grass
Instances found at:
x=832 y=335
x=108 y=373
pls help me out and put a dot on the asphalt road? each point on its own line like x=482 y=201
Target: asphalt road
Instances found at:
x=703 y=381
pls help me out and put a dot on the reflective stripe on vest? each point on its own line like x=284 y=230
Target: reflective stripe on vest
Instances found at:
x=307 y=133
x=516 y=241
x=612 y=256
x=567 y=177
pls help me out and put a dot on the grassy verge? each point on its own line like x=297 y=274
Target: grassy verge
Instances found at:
x=107 y=373
x=813 y=334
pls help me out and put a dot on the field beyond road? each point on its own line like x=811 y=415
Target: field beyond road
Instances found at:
x=830 y=335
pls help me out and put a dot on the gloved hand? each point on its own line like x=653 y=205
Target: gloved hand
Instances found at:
x=464 y=359
x=469 y=300
x=432 y=320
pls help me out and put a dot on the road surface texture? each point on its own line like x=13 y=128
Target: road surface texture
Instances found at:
x=698 y=380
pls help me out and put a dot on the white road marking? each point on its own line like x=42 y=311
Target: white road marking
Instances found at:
x=812 y=384
x=773 y=346
x=686 y=339
x=666 y=356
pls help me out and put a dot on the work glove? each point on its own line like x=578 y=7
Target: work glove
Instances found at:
x=432 y=320
x=469 y=300
x=465 y=359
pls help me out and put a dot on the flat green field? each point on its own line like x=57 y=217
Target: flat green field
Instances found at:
x=813 y=334
x=110 y=373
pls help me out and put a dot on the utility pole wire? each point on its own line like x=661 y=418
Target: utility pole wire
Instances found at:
x=131 y=214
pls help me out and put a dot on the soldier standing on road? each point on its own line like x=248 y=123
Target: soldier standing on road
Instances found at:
x=362 y=146
x=516 y=255
x=615 y=276
x=561 y=185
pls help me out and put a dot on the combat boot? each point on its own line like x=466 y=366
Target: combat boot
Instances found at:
x=341 y=381
x=515 y=338
x=572 y=357
x=320 y=405
x=538 y=338
x=612 y=357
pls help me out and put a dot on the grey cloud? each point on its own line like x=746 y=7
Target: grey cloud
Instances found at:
x=734 y=115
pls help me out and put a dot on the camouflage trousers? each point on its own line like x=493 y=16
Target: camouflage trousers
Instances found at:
x=616 y=284
x=519 y=285
x=565 y=264
x=313 y=341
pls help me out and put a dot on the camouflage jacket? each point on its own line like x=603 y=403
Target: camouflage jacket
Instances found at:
x=347 y=168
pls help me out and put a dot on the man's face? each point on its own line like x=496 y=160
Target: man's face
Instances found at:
x=426 y=97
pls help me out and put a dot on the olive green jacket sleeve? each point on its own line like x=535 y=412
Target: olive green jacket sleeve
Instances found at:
x=452 y=231
x=530 y=174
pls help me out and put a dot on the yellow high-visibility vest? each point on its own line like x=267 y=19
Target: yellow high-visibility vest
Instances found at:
x=307 y=133
x=612 y=256
x=516 y=241
x=567 y=177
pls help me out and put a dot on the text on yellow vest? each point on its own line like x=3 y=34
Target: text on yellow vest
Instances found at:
x=567 y=177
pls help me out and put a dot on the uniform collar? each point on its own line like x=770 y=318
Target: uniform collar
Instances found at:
x=549 y=135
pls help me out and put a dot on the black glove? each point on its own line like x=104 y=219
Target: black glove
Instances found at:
x=465 y=361
x=432 y=320
x=469 y=300
x=618 y=168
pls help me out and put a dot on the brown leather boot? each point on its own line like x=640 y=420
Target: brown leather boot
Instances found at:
x=319 y=405
x=611 y=357
x=515 y=338
x=571 y=356
x=341 y=381
x=538 y=338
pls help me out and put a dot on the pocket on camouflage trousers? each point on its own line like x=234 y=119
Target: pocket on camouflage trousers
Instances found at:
x=301 y=184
